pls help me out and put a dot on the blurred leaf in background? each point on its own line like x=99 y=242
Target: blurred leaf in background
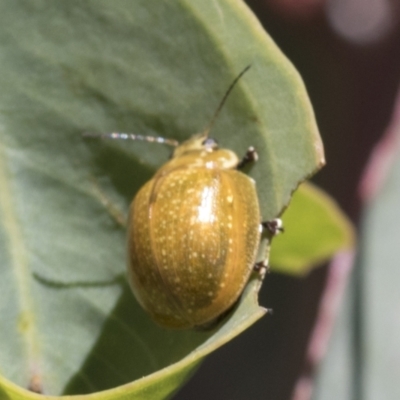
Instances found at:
x=315 y=229
x=364 y=358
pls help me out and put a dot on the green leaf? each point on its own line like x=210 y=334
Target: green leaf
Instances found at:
x=69 y=323
x=165 y=381
x=315 y=229
x=364 y=356
x=380 y=255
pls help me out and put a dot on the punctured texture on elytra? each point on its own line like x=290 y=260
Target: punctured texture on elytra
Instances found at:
x=193 y=238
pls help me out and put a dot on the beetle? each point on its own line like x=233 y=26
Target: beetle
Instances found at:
x=193 y=232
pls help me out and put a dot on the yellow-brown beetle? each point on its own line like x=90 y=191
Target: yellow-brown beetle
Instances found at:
x=194 y=231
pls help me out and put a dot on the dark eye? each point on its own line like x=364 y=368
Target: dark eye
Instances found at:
x=210 y=143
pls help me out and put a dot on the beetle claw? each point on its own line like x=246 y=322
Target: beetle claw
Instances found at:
x=250 y=156
x=274 y=226
x=262 y=268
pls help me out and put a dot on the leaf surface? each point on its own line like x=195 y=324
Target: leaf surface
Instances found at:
x=69 y=323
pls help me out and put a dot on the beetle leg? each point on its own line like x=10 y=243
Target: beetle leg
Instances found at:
x=274 y=226
x=262 y=268
x=250 y=156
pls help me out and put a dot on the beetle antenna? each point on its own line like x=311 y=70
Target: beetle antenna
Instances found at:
x=132 y=136
x=222 y=102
